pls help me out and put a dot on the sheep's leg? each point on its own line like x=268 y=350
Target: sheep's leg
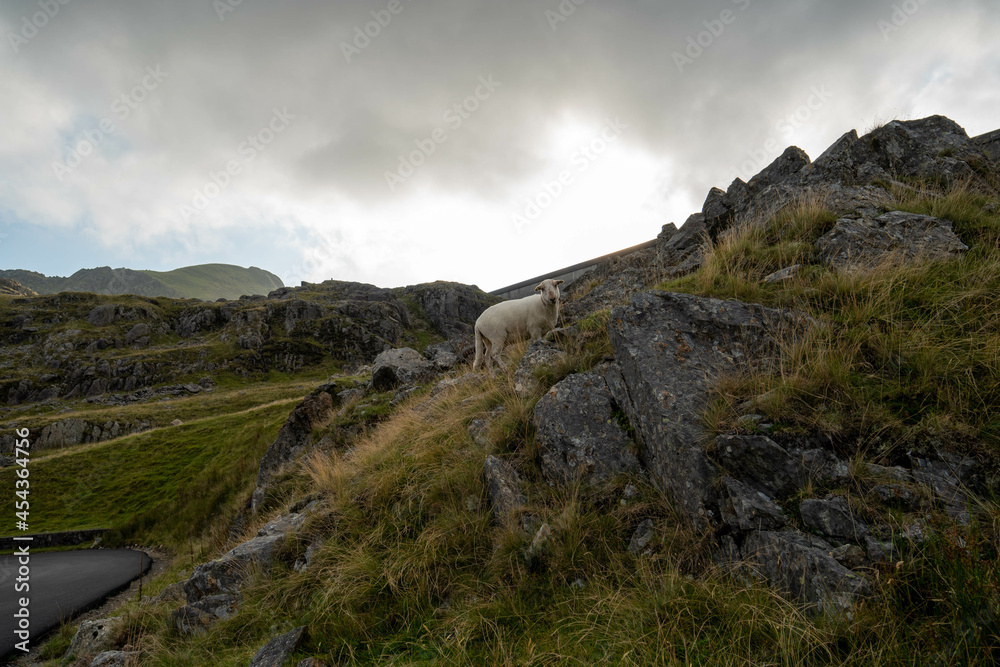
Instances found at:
x=497 y=352
x=479 y=351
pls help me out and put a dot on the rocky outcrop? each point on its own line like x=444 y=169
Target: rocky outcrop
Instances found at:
x=670 y=349
x=295 y=437
x=866 y=243
x=579 y=438
x=451 y=307
x=10 y=287
x=400 y=367
x=225 y=575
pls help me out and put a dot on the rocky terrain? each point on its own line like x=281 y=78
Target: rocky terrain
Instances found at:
x=558 y=471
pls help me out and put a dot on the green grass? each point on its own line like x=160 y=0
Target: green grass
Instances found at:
x=161 y=487
x=213 y=281
x=910 y=352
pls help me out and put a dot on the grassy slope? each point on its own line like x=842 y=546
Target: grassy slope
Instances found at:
x=214 y=281
x=413 y=571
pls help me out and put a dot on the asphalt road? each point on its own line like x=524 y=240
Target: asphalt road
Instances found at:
x=62 y=584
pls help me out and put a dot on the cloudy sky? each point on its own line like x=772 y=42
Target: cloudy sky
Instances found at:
x=405 y=141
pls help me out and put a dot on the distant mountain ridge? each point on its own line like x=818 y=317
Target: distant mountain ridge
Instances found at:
x=202 y=281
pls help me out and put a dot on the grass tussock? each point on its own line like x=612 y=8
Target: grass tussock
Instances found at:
x=909 y=351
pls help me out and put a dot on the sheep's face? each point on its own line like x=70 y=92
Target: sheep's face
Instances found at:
x=550 y=290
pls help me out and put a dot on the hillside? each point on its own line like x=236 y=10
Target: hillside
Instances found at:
x=770 y=437
x=205 y=281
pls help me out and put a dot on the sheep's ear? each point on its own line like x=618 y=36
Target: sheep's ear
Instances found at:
x=560 y=282
x=539 y=288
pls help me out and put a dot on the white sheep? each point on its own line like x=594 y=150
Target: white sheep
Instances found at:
x=509 y=321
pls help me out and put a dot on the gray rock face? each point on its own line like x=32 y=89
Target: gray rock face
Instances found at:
x=578 y=436
x=743 y=508
x=451 y=307
x=503 y=488
x=294 y=438
x=195 y=618
x=670 y=349
x=833 y=518
x=442 y=355
x=801 y=566
x=400 y=366
x=278 y=650
x=226 y=574
x=93 y=637
x=864 y=243
x=540 y=353
x=760 y=461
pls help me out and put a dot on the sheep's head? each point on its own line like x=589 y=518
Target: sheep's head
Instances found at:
x=550 y=290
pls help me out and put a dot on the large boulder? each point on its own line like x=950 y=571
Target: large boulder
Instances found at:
x=865 y=243
x=451 y=307
x=671 y=349
x=226 y=574
x=93 y=637
x=400 y=366
x=295 y=437
x=578 y=437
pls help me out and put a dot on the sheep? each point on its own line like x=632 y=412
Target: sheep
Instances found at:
x=509 y=321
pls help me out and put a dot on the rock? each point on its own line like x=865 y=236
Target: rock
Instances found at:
x=226 y=574
x=865 y=243
x=400 y=366
x=879 y=551
x=747 y=509
x=138 y=335
x=294 y=438
x=671 y=348
x=800 y=566
x=540 y=353
x=783 y=274
x=176 y=422
x=849 y=555
x=897 y=495
x=478 y=429
x=539 y=544
x=172 y=593
x=578 y=436
x=196 y=617
x=761 y=462
x=102 y=316
x=451 y=307
x=348 y=395
x=92 y=637
x=116 y=659
x=302 y=564
x=279 y=649
x=312 y=662
x=503 y=488
x=945 y=481
x=642 y=536
x=442 y=355
x=833 y=518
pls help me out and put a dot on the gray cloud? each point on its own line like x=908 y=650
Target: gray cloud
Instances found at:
x=759 y=62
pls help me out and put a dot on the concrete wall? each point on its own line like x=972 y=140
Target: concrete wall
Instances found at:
x=569 y=273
